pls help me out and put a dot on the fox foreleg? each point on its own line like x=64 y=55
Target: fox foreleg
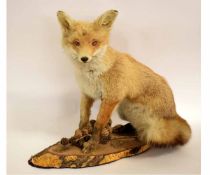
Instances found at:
x=85 y=110
x=102 y=120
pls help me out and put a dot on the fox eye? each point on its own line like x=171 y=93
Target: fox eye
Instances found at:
x=76 y=43
x=94 y=43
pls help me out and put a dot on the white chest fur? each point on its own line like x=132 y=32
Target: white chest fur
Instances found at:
x=90 y=84
x=88 y=76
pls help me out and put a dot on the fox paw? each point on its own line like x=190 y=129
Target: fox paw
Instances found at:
x=105 y=135
x=89 y=146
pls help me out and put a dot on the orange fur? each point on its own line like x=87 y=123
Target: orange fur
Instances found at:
x=144 y=98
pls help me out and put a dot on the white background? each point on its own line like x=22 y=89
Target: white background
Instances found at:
x=43 y=98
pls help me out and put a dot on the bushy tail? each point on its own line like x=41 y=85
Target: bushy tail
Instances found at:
x=164 y=132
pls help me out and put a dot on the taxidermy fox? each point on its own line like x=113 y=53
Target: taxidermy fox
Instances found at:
x=143 y=97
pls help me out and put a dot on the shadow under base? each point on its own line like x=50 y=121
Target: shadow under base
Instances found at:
x=121 y=144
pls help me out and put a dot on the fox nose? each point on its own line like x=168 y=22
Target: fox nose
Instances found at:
x=84 y=59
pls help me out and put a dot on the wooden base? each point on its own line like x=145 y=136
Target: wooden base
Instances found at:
x=119 y=146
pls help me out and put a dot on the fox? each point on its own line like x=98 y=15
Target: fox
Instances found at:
x=141 y=96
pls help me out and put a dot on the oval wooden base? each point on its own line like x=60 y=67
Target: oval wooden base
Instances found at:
x=59 y=156
x=123 y=143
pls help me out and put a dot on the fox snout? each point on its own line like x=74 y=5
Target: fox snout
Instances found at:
x=84 y=59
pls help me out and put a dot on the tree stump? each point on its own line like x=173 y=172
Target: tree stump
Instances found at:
x=120 y=142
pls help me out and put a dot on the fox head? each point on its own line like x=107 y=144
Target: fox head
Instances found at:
x=86 y=41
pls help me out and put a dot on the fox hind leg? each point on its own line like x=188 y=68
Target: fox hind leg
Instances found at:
x=153 y=129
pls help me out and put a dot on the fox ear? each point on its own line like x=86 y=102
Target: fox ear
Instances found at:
x=65 y=21
x=106 y=19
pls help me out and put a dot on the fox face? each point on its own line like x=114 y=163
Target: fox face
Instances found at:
x=86 y=42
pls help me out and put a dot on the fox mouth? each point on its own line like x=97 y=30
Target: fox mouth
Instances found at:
x=91 y=70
